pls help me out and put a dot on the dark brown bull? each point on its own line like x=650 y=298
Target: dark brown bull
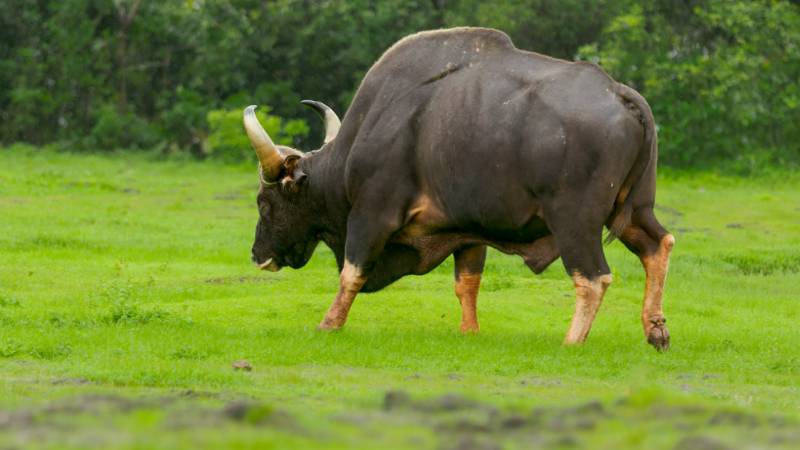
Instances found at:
x=457 y=140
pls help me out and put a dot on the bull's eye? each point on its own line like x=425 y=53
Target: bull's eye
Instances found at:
x=263 y=209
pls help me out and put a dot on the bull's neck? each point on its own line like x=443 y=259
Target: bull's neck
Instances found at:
x=328 y=192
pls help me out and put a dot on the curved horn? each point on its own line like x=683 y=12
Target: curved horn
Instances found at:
x=268 y=154
x=332 y=122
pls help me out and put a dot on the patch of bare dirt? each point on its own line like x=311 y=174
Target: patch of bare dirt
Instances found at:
x=73 y=381
x=230 y=197
x=458 y=422
x=463 y=423
x=668 y=210
x=247 y=279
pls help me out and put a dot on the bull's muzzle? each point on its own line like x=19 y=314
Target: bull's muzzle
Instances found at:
x=269 y=264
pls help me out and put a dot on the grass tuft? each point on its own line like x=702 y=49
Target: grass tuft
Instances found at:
x=764 y=262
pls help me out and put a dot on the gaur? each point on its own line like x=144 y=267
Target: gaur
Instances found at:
x=456 y=141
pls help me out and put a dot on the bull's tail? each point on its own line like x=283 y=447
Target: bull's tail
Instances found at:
x=623 y=208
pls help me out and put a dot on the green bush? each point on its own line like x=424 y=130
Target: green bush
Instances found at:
x=183 y=121
x=228 y=140
x=115 y=130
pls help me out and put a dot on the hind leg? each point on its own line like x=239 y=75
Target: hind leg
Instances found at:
x=648 y=240
x=469 y=267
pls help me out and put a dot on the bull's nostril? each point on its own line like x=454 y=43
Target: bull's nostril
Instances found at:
x=253 y=258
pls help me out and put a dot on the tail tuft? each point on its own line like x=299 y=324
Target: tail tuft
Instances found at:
x=621 y=222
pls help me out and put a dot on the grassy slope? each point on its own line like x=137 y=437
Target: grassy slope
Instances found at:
x=135 y=276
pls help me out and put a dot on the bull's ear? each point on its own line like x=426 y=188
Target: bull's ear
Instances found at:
x=293 y=173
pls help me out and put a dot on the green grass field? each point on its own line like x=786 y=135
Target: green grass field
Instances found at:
x=126 y=292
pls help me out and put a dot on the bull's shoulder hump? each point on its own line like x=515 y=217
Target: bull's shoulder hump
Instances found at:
x=487 y=35
x=452 y=38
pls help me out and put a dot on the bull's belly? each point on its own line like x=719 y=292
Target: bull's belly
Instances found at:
x=432 y=250
x=419 y=254
x=431 y=235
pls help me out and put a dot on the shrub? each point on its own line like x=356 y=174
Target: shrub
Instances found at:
x=184 y=123
x=228 y=140
x=115 y=130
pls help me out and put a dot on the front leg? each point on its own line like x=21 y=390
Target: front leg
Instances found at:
x=366 y=238
x=350 y=284
x=469 y=264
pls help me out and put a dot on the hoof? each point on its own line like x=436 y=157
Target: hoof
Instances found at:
x=327 y=327
x=571 y=343
x=469 y=329
x=659 y=338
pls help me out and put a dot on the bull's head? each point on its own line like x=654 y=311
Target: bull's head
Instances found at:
x=285 y=234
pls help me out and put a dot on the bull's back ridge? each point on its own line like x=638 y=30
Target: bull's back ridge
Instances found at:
x=428 y=58
x=456 y=41
x=453 y=36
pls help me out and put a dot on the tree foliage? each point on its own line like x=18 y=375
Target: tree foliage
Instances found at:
x=722 y=80
x=720 y=75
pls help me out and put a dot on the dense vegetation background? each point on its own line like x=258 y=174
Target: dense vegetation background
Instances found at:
x=722 y=76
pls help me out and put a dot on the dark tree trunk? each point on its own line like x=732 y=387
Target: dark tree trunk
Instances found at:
x=125 y=20
x=438 y=18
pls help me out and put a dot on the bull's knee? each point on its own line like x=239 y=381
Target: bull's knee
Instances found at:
x=589 y=289
x=667 y=242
